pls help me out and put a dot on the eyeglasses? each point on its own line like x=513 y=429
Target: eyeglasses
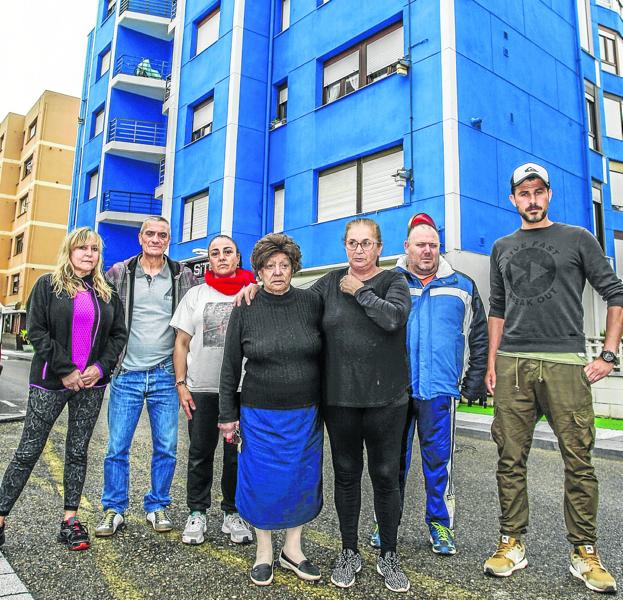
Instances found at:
x=163 y=235
x=365 y=244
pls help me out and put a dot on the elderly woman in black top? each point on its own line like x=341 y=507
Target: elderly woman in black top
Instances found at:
x=280 y=431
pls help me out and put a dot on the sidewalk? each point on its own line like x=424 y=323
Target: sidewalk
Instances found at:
x=11 y=586
x=608 y=442
x=17 y=354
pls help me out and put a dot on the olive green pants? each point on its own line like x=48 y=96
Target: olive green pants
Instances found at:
x=527 y=389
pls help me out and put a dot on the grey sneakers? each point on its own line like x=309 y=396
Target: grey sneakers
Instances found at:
x=346 y=566
x=389 y=567
x=109 y=524
x=159 y=520
x=195 y=528
x=238 y=529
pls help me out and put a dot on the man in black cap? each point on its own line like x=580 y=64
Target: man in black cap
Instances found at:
x=537 y=367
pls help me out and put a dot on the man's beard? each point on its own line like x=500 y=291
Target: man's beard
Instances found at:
x=536 y=218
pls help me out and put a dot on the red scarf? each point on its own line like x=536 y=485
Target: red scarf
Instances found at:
x=230 y=285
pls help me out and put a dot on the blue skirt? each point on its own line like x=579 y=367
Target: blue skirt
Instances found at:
x=280 y=466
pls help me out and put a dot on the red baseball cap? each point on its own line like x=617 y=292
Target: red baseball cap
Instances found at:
x=421 y=219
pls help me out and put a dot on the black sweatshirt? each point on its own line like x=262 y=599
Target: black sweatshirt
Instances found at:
x=281 y=339
x=366 y=362
x=49 y=321
x=537 y=279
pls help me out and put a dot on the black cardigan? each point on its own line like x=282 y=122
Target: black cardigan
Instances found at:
x=49 y=322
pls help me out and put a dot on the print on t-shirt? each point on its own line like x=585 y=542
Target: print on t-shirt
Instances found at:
x=215 y=320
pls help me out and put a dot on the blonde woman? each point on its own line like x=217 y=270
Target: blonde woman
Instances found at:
x=76 y=326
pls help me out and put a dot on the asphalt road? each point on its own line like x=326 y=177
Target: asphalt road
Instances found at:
x=140 y=564
x=13 y=387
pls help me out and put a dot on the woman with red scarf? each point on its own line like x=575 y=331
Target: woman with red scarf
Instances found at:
x=201 y=321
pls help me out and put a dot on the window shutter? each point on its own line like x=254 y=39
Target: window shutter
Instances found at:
x=278 y=218
x=207 y=31
x=203 y=114
x=616 y=188
x=614 y=125
x=200 y=217
x=337 y=193
x=105 y=64
x=379 y=188
x=385 y=51
x=283 y=94
x=285 y=14
x=93 y=181
x=186 y=228
x=99 y=122
x=341 y=68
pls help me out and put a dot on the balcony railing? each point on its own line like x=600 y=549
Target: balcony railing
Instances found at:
x=173 y=9
x=132 y=202
x=156 y=8
x=167 y=88
x=594 y=346
x=142 y=67
x=137 y=132
x=161 y=171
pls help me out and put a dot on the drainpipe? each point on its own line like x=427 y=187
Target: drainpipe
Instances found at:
x=269 y=93
x=410 y=100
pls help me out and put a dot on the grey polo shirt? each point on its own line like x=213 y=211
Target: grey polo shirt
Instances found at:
x=151 y=337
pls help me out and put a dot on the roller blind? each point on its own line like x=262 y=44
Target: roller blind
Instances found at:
x=203 y=114
x=195 y=217
x=207 y=31
x=379 y=188
x=337 y=193
x=385 y=51
x=278 y=219
x=341 y=68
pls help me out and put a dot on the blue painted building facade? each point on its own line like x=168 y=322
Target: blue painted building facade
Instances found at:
x=248 y=116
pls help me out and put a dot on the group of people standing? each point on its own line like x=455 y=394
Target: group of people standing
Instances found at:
x=368 y=353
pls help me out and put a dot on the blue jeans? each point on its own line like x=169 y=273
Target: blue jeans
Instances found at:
x=128 y=391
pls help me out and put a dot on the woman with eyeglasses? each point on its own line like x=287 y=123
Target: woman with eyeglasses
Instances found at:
x=365 y=393
x=276 y=421
x=200 y=321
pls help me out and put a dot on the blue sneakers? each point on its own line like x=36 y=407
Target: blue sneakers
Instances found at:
x=442 y=539
x=375 y=537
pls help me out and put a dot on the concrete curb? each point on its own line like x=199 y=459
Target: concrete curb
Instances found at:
x=14 y=354
x=11 y=586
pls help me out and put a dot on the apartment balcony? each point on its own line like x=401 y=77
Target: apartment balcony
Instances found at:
x=125 y=208
x=167 y=95
x=159 y=192
x=151 y=17
x=138 y=140
x=143 y=76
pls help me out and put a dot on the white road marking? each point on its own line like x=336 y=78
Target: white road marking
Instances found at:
x=9 y=403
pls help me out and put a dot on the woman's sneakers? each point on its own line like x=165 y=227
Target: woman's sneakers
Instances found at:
x=346 y=566
x=74 y=534
x=238 y=529
x=389 y=568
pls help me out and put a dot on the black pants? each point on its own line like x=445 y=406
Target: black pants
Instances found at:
x=381 y=429
x=44 y=407
x=204 y=436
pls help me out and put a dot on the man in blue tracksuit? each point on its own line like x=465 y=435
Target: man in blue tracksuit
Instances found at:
x=447 y=345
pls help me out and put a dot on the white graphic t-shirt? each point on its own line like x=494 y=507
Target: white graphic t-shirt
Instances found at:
x=204 y=314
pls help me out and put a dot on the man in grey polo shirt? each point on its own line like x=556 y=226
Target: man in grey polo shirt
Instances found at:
x=150 y=286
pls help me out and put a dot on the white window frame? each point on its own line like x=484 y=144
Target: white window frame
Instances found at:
x=22 y=205
x=613 y=113
x=93 y=184
x=105 y=62
x=616 y=185
x=207 y=32
x=193 y=225
x=203 y=116
x=32 y=129
x=279 y=197
x=585 y=25
x=98 y=122
x=285 y=14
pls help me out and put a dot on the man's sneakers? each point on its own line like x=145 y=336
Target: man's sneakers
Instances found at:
x=159 y=520
x=375 y=537
x=74 y=534
x=508 y=558
x=586 y=565
x=238 y=529
x=109 y=524
x=442 y=539
x=389 y=567
x=195 y=528
x=346 y=566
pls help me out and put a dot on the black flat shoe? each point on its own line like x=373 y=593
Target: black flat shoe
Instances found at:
x=262 y=574
x=305 y=570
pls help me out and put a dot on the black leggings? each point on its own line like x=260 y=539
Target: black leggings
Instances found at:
x=381 y=429
x=204 y=437
x=44 y=407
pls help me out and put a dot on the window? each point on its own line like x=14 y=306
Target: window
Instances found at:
x=202 y=119
x=616 y=184
x=584 y=23
x=608 y=41
x=110 y=8
x=618 y=251
x=282 y=103
x=18 y=247
x=93 y=183
x=598 y=214
x=105 y=62
x=98 y=122
x=616 y=5
x=207 y=31
x=15 y=283
x=367 y=62
x=1 y=142
x=32 y=130
x=360 y=186
x=591 y=116
x=278 y=209
x=614 y=118
x=195 y=217
x=285 y=14
x=27 y=167
x=22 y=205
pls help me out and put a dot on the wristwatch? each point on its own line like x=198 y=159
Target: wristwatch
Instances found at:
x=609 y=357
x=181 y=382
